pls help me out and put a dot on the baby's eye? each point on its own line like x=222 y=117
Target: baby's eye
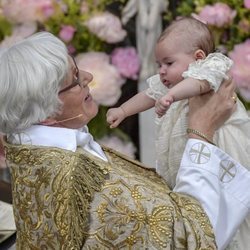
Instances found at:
x=168 y=63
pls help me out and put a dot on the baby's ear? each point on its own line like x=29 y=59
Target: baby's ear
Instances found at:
x=199 y=54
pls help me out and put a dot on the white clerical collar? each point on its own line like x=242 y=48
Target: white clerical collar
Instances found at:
x=65 y=138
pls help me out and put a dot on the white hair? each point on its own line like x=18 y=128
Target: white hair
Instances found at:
x=31 y=73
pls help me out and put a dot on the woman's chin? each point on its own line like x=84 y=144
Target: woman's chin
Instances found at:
x=95 y=110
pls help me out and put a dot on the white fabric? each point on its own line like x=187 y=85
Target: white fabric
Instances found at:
x=156 y=89
x=64 y=138
x=171 y=137
x=224 y=195
x=213 y=69
x=233 y=137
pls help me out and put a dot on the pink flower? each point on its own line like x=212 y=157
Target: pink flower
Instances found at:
x=107 y=27
x=71 y=49
x=240 y=70
x=20 y=11
x=219 y=14
x=66 y=33
x=107 y=81
x=47 y=9
x=126 y=148
x=247 y=4
x=127 y=62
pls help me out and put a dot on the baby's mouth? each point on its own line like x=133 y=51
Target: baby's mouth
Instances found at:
x=167 y=83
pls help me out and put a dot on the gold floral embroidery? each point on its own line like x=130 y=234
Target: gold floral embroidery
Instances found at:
x=52 y=192
x=144 y=213
x=115 y=191
x=65 y=200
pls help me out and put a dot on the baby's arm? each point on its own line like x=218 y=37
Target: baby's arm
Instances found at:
x=187 y=88
x=201 y=76
x=138 y=103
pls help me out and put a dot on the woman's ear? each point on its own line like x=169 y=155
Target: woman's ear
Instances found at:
x=199 y=54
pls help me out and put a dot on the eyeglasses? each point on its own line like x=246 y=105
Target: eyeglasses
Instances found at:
x=76 y=80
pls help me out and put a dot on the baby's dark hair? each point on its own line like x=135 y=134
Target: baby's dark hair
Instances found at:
x=193 y=33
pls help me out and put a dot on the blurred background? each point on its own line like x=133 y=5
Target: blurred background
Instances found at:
x=114 y=41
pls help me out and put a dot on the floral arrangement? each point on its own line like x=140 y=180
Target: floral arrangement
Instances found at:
x=230 y=23
x=94 y=36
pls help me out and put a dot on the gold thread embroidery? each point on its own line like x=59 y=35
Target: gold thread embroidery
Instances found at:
x=76 y=201
x=52 y=192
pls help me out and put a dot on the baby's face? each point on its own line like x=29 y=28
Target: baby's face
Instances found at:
x=172 y=61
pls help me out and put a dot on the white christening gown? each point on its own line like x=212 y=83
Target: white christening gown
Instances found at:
x=171 y=136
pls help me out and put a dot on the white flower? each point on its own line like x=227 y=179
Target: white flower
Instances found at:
x=20 y=11
x=107 y=81
x=107 y=27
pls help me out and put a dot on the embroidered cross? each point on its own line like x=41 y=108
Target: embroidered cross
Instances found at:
x=199 y=153
x=228 y=171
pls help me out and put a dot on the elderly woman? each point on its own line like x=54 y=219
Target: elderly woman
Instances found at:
x=71 y=193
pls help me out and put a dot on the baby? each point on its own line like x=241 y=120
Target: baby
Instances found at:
x=188 y=67
x=175 y=51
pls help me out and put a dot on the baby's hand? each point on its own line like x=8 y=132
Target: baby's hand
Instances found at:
x=163 y=104
x=115 y=116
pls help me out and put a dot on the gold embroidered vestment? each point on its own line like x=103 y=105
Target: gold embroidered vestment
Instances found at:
x=67 y=200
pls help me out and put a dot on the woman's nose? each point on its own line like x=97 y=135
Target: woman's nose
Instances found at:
x=86 y=77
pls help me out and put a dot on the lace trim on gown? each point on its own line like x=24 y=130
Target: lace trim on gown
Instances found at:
x=156 y=88
x=213 y=69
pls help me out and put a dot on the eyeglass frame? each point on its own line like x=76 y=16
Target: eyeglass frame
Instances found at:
x=76 y=80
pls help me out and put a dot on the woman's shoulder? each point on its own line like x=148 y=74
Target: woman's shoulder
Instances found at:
x=33 y=155
x=122 y=165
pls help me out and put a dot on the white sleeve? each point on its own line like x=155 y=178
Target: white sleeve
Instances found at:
x=213 y=69
x=156 y=88
x=220 y=184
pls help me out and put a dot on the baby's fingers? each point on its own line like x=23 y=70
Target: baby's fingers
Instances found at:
x=160 y=112
x=110 y=119
x=115 y=124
